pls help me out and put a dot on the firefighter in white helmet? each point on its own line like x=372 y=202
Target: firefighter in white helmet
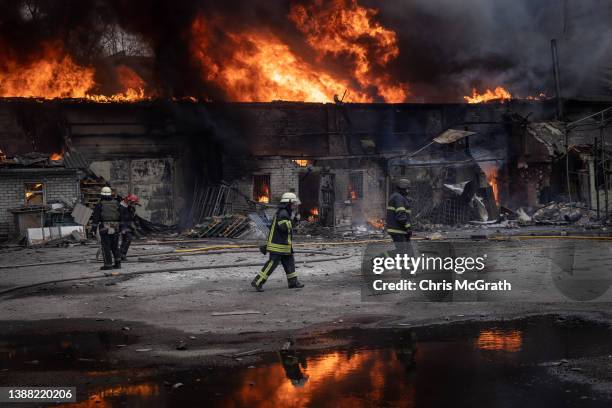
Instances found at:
x=279 y=244
x=107 y=218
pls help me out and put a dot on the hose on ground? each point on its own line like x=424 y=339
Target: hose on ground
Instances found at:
x=147 y=256
x=519 y=237
x=300 y=244
x=43 y=263
x=167 y=270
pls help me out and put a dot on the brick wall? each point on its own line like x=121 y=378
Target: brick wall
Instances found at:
x=57 y=187
x=285 y=176
x=153 y=180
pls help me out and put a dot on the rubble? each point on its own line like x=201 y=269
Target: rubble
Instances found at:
x=523 y=217
x=368 y=230
x=227 y=226
x=565 y=213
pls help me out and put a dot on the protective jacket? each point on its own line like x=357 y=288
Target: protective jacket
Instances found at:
x=279 y=237
x=398 y=214
x=128 y=218
x=108 y=211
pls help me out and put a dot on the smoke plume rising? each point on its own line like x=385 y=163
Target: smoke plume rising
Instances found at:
x=308 y=50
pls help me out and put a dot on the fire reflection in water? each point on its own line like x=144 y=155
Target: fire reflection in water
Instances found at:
x=105 y=398
x=331 y=377
x=500 y=340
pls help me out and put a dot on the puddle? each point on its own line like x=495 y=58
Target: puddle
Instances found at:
x=497 y=364
x=59 y=352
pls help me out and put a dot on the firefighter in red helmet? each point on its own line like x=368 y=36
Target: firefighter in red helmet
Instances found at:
x=128 y=227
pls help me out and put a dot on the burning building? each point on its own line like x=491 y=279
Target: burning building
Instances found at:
x=319 y=98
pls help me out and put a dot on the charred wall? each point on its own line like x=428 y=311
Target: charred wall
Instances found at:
x=158 y=149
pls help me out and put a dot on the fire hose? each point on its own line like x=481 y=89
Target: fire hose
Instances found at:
x=147 y=272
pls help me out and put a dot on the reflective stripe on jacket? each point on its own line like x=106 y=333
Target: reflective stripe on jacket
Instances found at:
x=398 y=214
x=279 y=238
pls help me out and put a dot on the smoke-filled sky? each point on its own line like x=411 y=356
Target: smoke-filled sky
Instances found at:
x=405 y=50
x=505 y=42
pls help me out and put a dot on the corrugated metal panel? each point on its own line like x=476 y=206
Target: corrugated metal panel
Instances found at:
x=73 y=159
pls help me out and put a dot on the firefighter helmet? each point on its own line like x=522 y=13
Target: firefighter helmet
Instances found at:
x=132 y=199
x=403 y=184
x=106 y=191
x=290 y=198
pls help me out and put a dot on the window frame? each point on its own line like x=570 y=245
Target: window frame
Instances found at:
x=41 y=193
x=255 y=193
x=359 y=192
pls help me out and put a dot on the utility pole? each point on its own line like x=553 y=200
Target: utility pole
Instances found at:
x=603 y=161
x=555 y=62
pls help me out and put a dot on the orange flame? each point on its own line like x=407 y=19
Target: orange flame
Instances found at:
x=105 y=397
x=324 y=376
x=342 y=27
x=56 y=157
x=265 y=197
x=302 y=163
x=257 y=65
x=498 y=94
x=492 y=173
x=500 y=340
x=54 y=74
x=377 y=223
x=314 y=214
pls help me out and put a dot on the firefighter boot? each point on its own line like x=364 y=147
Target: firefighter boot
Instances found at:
x=117 y=265
x=294 y=283
x=257 y=287
x=106 y=267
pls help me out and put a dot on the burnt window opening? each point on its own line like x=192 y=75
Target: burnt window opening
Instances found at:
x=261 y=188
x=34 y=194
x=356 y=185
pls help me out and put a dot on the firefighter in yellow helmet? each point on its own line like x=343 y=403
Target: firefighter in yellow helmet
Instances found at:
x=279 y=244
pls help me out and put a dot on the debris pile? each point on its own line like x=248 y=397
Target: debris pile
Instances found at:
x=565 y=213
x=210 y=201
x=32 y=159
x=227 y=226
x=90 y=189
x=309 y=229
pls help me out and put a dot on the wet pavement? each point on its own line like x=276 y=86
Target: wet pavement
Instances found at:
x=475 y=364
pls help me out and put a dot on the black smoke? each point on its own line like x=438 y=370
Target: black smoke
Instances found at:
x=446 y=46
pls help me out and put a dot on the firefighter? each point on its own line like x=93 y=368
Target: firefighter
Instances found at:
x=398 y=215
x=128 y=225
x=293 y=365
x=106 y=220
x=279 y=244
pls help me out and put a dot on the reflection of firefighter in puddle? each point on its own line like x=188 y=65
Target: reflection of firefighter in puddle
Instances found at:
x=293 y=365
x=405 y=351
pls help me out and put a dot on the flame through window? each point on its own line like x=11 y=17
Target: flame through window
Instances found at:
x=261 y=188
x=34 y=193
x=356 y=185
